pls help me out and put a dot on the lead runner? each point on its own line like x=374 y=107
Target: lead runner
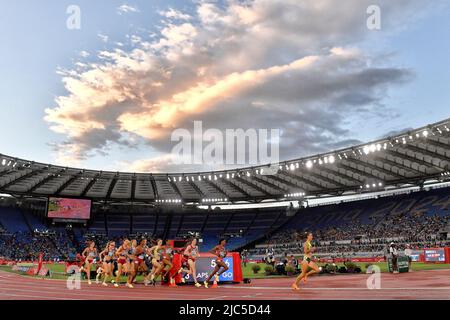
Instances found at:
x=307 y=262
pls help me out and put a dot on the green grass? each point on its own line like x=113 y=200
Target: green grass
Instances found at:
x=59 y=269
x=416 y=266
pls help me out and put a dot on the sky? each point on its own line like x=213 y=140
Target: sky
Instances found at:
x=109 y=94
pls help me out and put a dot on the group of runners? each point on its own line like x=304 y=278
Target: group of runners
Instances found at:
x=133 y=257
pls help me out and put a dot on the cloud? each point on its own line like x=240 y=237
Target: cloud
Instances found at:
x=174 y=14
x=103 y=37
x=293 y=65
x=84 y=54
x=126 y=8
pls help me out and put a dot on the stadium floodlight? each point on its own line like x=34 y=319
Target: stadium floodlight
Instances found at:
x=309 y=164
x=320 y=161
x=331 y=159
x=3 y=162
x=373 y=148
x=425 y=133
x=292 y=167
x=367 y=186
x=248 y=174
x=366 y=150
x=228 y=176
x=262 y=171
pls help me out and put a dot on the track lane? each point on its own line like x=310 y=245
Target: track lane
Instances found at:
x=417 y=285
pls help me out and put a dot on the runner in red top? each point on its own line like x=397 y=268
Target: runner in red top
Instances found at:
x=123 y=261
x=192 y=253
x=221 y=253
x=89 y=254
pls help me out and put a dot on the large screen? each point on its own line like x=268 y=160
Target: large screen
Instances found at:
x=204 y=265
x=66 y=208
x=435 y=255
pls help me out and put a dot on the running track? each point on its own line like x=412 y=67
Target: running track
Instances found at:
x=416 y=285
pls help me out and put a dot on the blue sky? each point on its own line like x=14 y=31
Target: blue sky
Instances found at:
x=412 y=46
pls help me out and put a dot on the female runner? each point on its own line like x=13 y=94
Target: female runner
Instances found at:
x=192 y=253
x=184 y=268
x=107 y=256
x=139 y=261
x=123 y=261
x=307 y=262
x=131 y=259
x=157 y=252
x=167 y=260
x=89 y=255
x=221 y=253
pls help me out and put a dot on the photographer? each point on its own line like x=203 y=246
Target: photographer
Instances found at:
x=408 y=254
x=394 y=255
x=270 y=256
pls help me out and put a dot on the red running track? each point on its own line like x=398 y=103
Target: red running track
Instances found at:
x=433 y=284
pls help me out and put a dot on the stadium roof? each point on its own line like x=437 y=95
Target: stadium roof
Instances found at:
x=415 y=158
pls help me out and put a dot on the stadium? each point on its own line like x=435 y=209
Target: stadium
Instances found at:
x=356 y=201
x=244 y=150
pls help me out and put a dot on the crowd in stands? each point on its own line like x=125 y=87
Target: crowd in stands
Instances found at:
x=354 y=238
x=411 y=228
x=348 y=239
x=2 y=229
x=26 y=246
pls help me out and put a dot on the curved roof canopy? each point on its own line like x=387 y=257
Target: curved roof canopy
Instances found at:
x=414 y=158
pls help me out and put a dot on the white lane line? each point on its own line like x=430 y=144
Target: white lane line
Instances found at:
x=47 y=297
x=339 y=288
x=217 y=298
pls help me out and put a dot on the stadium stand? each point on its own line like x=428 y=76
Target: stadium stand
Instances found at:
x=354 y=228
x=181 y=205
x=365 y=227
